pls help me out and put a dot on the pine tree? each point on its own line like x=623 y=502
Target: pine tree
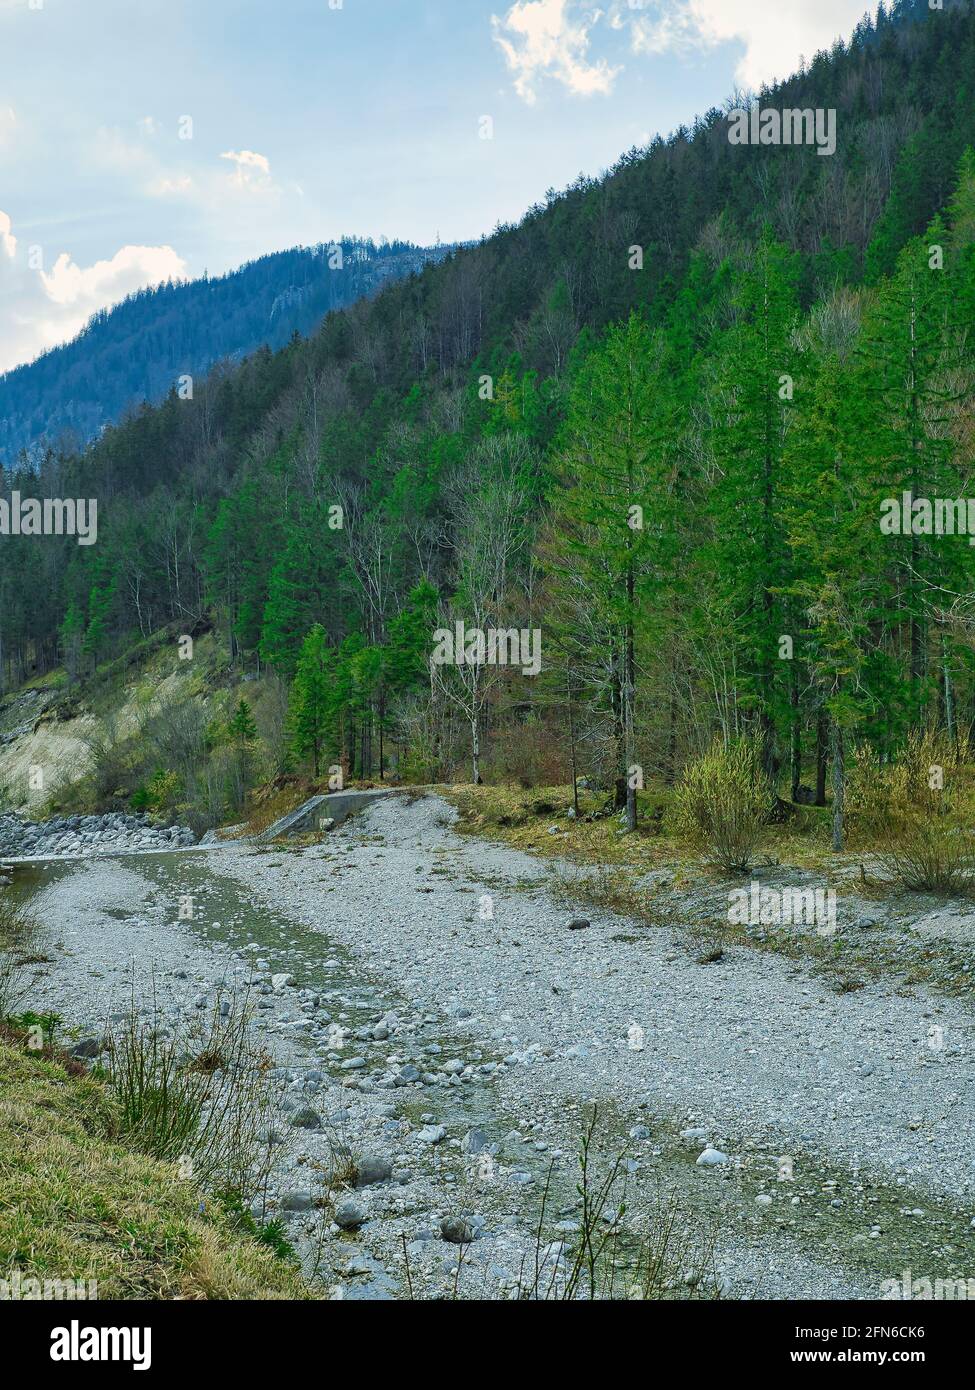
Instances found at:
x=297 y=593
x=312 y=714
x=614 y=519
x=757 y=372
x=242 y=730
x=912 y=355
x=834 y=471
x=71 y=633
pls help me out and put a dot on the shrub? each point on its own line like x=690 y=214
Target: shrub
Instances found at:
x=202 y=1099
x=18 y=938
x=721 y=805
x=929 y=856
x=527 y=754
x=910 y=812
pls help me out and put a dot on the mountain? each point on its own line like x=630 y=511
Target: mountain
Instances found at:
x=656 y=422
x=136 y=351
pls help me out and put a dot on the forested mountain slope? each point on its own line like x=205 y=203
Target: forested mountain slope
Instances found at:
x=656 y=421
x=136 y=351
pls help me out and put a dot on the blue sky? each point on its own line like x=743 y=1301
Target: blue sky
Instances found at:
x=315 y=118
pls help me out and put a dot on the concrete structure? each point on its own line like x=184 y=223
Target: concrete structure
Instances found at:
x=335 y=807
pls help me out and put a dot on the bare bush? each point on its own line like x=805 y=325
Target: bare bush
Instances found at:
x=109 y=762
x=721 y=805
x=270 y=710
x=911 y=812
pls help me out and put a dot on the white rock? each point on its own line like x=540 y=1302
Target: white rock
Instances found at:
x=711 y=1158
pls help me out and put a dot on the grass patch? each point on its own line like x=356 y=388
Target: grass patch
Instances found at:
x=606 y=887
x=200 y=1097
x=79 y=1204
x=19 y=937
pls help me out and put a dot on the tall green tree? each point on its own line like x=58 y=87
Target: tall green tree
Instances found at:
x=312 y=713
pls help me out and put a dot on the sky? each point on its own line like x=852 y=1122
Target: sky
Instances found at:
x=147 y=139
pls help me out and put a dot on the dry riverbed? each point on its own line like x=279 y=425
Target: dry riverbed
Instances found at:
x=434 y=1017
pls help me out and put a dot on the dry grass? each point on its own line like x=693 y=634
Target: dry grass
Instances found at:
x=916 y=813
x=605 y=887
x=523 y=820
x=19 y=937
x=79 y=1205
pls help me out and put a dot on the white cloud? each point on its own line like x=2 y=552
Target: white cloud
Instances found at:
x=106 y=282
x=7 y=240
x=41 y=309
x=539 y=39
x=8 y=123
x=165 y=187
x=109 y=150
x=252 y=170
x=774 y=36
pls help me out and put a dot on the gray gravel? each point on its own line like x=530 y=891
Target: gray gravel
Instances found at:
x=755 y=1046
x=466 y=1028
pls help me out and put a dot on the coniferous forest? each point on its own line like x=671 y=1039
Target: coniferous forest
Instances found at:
x=754 y=347
x=139 y=350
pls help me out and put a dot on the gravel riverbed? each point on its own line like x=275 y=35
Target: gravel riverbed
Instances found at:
x=425 y=998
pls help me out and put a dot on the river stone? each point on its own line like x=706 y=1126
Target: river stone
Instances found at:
x=711 y=1158
x=349 y=1213
x=306 y=1118
x=372 y=1168
x=297 y=1201
x=455 y=1230
x=432 y=1134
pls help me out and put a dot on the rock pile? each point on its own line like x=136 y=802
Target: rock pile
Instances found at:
x=83 y=836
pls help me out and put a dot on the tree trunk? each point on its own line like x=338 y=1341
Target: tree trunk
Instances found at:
x=839 y=785
x=629 y=715
x=796 y=735
x=476 y=751
x=822 y=751
x=382 y=720
x=572 y=744
x=671 y=777
x=949 y=692
x=619 y=798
